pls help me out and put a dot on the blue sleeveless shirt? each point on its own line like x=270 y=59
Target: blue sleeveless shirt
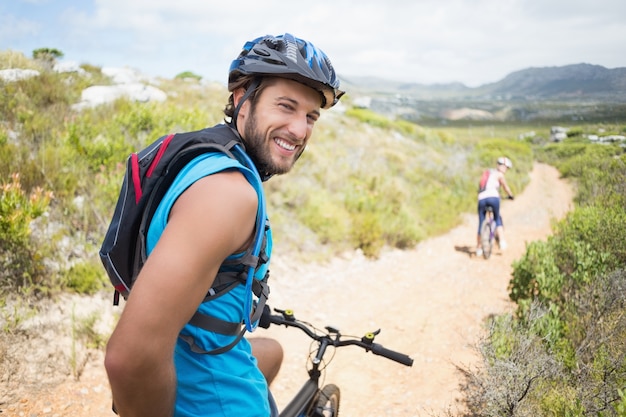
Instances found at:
x=227 y=384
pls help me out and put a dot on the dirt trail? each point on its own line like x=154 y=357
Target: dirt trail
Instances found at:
x=430 y=303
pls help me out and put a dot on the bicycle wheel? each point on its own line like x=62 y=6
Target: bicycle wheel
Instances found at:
x=327 y=403
x=486 y=239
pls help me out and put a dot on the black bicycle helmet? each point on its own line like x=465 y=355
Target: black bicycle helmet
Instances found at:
x=289 y=57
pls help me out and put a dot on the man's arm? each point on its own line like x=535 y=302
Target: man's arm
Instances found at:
x=212 y=219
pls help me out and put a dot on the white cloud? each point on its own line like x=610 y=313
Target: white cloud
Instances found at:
x=425 y=41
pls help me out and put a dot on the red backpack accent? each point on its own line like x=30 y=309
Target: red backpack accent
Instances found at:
x=483 y=180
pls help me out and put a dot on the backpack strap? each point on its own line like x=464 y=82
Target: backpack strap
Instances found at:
x=259 y=240
x=225 y=327
x=225 y=281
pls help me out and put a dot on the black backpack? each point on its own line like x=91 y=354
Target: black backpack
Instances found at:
x=149 y=174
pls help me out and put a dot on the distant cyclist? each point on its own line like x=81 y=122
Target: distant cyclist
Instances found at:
x=489 y=195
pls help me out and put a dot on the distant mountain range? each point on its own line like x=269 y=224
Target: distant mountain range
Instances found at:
x=580 y=92
x=578 y=82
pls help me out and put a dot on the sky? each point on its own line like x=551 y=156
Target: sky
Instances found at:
x=474 y=42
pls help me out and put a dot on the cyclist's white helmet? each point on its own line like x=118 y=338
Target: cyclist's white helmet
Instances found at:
x=503 y=160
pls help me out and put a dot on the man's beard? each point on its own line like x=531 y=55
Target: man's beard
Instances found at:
x=259 y=150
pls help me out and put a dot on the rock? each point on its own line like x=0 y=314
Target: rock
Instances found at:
x=102 y=94
x=15 y=74
x=69 y=66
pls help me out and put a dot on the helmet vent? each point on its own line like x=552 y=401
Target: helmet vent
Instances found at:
x=261 y=52
x=292 y=49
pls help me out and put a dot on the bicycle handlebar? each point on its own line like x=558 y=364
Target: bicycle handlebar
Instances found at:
x=390 y=354
x=287 y=319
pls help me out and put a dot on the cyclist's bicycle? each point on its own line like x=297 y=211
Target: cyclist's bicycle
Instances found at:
x=488 y=233
x=313 y=400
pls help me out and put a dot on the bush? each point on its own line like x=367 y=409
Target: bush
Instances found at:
x=591 y=241
x=85 y=278
x=188 y=75
x=516 y=371
x=329 y=220
x=370 y=117
x=22 y=257
x=597 y=330
x=536 y=276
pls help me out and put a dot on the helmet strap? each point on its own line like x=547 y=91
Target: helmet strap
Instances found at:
x=251 y=88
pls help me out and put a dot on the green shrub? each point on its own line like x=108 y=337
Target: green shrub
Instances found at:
x=620 y=406
x=370 y=117
x=84 y=278
x=557 y=399
x=596 y=329
x=188 y=75
x=367 y=233
x=516 y=369
x=329 y=220
x=536 y=276
x=22 y=258
x=591 y=241
x=39 y=104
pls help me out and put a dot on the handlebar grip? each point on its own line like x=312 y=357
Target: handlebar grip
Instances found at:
x=390 y=354
x=266 y=319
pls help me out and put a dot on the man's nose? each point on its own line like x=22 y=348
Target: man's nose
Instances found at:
x=299 y=127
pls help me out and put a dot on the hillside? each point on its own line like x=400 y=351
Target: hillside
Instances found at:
x=580 y=92
x=569 y=82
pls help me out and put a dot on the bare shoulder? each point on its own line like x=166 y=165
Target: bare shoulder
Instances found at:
x=225 y=191
x=223 y=206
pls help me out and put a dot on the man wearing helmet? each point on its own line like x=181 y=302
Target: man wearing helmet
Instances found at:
x=489 y=195
x=278 y=85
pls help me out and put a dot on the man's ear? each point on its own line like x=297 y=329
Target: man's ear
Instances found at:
x=237 y=95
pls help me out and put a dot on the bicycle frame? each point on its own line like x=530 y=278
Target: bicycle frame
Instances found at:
x=488 y=232
x=492 y=223
x=304 y=399
x=312 y=400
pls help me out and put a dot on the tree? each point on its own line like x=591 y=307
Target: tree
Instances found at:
x=47 y=56
x=188 y=75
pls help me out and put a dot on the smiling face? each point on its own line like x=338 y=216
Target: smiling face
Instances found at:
x=278 y=124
